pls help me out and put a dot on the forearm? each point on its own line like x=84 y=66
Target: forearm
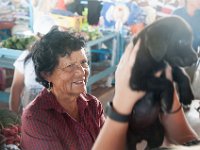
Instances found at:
x=16 y=91
x=112 y=136
x=176 y=126
x=14 y=100
x=113 y=133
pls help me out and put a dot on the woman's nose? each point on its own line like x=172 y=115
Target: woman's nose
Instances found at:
x=80 y=69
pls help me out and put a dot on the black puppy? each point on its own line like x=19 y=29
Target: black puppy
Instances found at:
x=167 y=41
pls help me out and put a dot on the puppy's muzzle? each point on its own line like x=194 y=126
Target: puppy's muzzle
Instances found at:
x=184 y=62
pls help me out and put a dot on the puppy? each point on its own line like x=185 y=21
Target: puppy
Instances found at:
x=167 y=41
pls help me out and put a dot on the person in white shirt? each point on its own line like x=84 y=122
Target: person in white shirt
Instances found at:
x=24 y=87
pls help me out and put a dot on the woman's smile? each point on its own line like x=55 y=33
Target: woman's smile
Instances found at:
x=80 y=82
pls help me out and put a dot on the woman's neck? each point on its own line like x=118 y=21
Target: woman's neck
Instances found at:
x=69 y=103
x=71 y=107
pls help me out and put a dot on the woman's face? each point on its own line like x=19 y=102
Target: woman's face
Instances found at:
x=71 y=74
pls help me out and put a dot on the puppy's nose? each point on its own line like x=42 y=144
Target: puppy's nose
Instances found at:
x=194 y=58
x=191 y=60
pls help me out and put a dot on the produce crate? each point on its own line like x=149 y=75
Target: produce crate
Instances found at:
x=6 y=76
x=74 y=22
x=4 y=34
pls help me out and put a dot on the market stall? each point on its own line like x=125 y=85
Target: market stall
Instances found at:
x=117 y=21
x=8 y=56
x=107 y=25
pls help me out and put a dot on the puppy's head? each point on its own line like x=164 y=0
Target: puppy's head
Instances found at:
x=170 y=39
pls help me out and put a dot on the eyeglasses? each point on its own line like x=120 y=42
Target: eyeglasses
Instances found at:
x=74 y=66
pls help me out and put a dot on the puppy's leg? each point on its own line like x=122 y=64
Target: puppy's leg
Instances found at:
x=155 y=134
x=184 y=86
x=142 y=80
x=132 y=140
x=165 y=87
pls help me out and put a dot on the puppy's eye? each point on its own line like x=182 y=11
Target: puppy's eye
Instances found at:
x=183 y=43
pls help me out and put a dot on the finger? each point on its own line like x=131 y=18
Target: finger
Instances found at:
x=121 y=61
x=168 y=73
x=126 y=53
x=128 y=50
x=133 y=54
x=158 y=74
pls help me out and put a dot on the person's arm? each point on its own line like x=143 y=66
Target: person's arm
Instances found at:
x=16 y=91
x=113 y=134
x=177 y=128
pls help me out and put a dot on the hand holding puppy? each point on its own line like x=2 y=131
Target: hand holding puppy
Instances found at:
x=125 y=98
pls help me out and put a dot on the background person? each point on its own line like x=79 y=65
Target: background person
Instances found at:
x=191 y=13
x=24 y=87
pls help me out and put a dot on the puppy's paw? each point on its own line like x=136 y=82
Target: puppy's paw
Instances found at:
x=167 y=99
x=186 y=96
x=166 y=104
x=166 y=107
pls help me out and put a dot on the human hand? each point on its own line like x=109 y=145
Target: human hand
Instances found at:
x=177 y=129
x=125 y=97
x=168 y=73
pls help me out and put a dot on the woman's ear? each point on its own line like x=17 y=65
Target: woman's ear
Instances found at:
x=45 y=75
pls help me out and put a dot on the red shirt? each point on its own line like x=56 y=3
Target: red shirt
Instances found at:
x=46 y=126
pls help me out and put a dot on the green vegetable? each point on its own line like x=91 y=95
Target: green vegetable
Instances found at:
x=8 y=118
x=18 y=43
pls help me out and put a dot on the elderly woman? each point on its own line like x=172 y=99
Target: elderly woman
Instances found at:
x=63 y=115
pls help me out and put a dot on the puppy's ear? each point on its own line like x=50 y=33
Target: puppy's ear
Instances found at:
x=155 y=42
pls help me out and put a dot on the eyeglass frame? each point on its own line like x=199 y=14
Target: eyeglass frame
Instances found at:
x=74 y=66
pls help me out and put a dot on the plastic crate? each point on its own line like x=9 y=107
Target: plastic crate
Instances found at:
x=74 y=22
x=100 y=55
x=2 y=79
x=6 y=76
x=4 y=34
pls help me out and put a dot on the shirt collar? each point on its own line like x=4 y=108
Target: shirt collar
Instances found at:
x=50 y=102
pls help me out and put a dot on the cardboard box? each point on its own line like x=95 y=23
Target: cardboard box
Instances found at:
x=74 y=22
